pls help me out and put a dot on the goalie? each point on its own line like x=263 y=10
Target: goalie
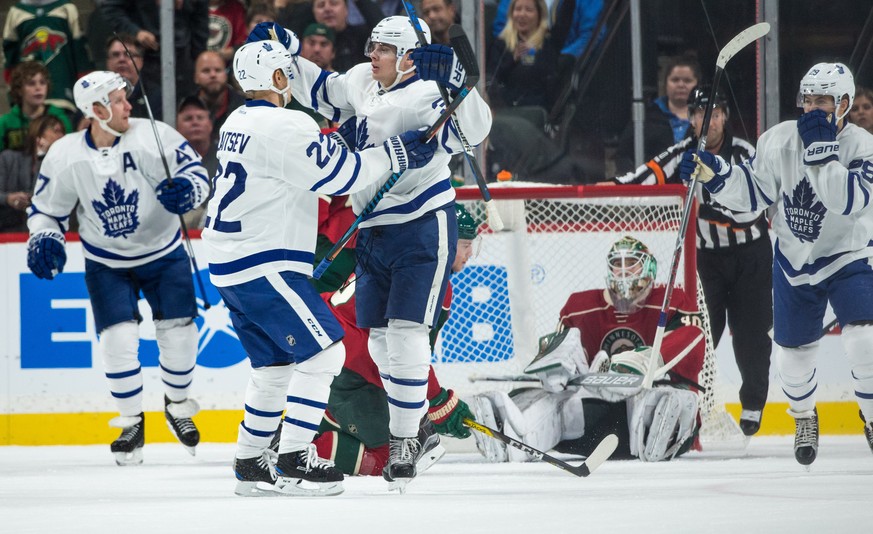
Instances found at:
x=607 y=330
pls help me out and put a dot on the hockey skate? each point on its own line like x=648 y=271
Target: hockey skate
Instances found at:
x=431 y=448
x=750 y=422
x=304 y=473
x=179 y=422
x=805 y=436
x=400 y=469
x=128 y=447
x=493 y=450
x=868 y=430
x=256 y=476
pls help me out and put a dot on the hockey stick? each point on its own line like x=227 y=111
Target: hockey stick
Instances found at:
x=324 y=265
x=830 y=326
x=461 y=47
x=596 y=380
x=600 y=454
x=185 y=236
x=740 y=41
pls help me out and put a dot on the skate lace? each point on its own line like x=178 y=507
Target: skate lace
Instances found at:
x=129 y=433
x=405 y=450
x=266 y=462
x=185 y=425
x=806 y=432
x=309 y=459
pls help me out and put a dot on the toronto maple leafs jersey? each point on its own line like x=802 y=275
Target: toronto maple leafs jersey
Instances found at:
x=121 y=221
x=273 y=164
x=824 y=218
x=409 y=105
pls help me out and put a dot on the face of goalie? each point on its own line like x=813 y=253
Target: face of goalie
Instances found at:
x=463 y=255
x=630 y=279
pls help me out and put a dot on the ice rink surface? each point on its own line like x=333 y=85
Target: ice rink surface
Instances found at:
x=761 y=489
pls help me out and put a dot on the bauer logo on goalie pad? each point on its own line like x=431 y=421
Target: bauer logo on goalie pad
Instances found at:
x=614 y=380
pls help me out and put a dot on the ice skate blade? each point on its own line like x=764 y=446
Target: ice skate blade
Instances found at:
x=430 y=457
x=129 y=458
x=398 y=485
x=297 y=486
x=190 y=448
x=255 y=489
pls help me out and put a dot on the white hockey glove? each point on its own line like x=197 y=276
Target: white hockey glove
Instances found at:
x=561 y=358
x=635 y=362
x=661 y=422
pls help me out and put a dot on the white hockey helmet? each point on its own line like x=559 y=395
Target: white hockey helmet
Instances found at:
x=630 y=276
x=254 y=65
x=95 y=88
x=397 y=31
x=832 y=79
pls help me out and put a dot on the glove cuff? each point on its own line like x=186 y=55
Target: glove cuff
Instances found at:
x=340 y=141
x=52 y=234
x=397 y=153
x=821 y=152
x=439 y=411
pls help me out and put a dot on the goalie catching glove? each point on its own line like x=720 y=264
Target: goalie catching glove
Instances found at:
x=561 y=358
x=439 y=63
x=447 y=413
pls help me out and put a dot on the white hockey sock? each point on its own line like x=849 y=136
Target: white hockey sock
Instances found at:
x=119 y=346
x=307 y=397
x=406 y=382
x=797 y=371
x=858 y=342
x=177 y=341
x=265 y=399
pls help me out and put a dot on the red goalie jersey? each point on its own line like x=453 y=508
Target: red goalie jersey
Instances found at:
x=603 y=328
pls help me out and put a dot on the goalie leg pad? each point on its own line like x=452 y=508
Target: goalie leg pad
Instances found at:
x=662 y=421
x=265 y=399
x=486 y=414
x=119 y=347
x=308 y=392
x=858 y=342
x=544 y=424
x=797 y=372
x=177 y=342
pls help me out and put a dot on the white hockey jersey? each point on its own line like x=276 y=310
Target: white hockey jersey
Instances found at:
x=824 y=217
x=272 y=165
x=410 y=105
x=121 y=221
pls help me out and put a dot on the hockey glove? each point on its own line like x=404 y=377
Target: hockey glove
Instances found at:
x=346 y=134
x=818 y=131
x=179 y=196
x=439 y=63
x=561 y=357
x=45 y=254
x=662 y=423
x=447 y=413
x=709 y=169
x=409 y=151
x=270 y=31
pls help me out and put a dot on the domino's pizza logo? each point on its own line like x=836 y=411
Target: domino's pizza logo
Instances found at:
x=803 y=212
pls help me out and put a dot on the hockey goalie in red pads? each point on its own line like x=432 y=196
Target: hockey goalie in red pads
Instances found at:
x=607 y=330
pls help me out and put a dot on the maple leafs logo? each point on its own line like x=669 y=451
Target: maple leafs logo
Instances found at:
x=362 y=136
x=803 y=213
x=118 y=214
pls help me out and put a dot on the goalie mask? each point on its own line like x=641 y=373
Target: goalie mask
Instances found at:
x=255 y=63
x=631 y=274
x=95 y=88
x=397 y=31
x=831 y=79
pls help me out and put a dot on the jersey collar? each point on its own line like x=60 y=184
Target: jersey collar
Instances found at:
x=90 y=140
x=259 y=104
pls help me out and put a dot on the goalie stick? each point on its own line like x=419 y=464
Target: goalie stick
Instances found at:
x=324 y=265
x=740 y=41
x=462 y=48
x=186 y=237
x=600 y=454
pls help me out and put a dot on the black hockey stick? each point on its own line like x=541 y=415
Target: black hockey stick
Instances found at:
x=324 y=265
x=600 y=454
x=466 y=56
x=740 y=41
x=185 y=235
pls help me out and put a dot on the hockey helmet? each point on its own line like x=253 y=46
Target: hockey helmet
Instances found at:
x=699 y=99
x=832 y=79
x=631 y=274
x=467 y=225
x=96 y=87
x=398 y=32
x=254 y=65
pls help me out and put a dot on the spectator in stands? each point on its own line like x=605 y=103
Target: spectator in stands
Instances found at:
x=210 y=76
x=50 y=34
x=195 y=125
x=19 y=169
x=387 y=7
x=141 y=18
x=118 y=61
x=350 y=40
x=258 y=13
x=861 y=113
x=317 y=45
x=666 y=121
x=439 y=15
x=227 y=27
x=582 y=22
x=29 y=87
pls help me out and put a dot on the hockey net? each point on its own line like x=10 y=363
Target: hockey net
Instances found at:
x=555 y=243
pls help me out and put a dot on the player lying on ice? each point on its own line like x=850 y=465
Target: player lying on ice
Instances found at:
x=607 y=330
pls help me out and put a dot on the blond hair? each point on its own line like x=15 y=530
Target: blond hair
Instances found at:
x=509 y=35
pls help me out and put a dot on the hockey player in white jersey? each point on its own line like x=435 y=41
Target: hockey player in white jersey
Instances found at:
x=128 y=213
x=818 y=171
x=260 y=233
x=407 y=245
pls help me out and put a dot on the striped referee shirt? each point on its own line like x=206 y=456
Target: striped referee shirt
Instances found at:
x=717 y=226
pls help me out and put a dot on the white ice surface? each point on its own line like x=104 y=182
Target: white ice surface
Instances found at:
x=79 y=489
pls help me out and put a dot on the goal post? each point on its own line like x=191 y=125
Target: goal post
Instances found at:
x=555 y=243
